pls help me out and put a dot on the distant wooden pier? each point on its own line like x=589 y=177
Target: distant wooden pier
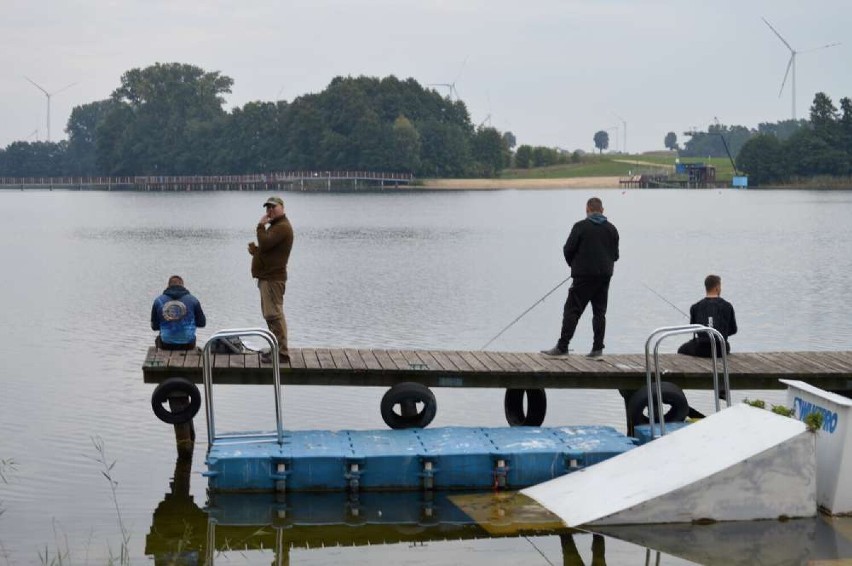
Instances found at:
x=315 y=181
x=511 y=370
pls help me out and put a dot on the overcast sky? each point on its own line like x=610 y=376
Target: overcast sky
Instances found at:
x=551 y=71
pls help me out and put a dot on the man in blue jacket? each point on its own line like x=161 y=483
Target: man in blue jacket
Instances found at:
x=176 y=314
x=591 y=252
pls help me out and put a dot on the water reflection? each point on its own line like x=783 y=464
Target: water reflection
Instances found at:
x=779 y=543
x=184 y=533
x=277 y=525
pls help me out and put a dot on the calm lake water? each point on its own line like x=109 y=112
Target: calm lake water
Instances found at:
x=424 y=270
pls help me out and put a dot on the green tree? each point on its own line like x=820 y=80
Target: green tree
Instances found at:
x=671 y=141
x=823 y=116
x=846 y=125
x=762 y=158
x=781 y=130
x=544 y=156
x=809 y=154
x=35 y=159
x=251 y=138
x=82 y=155
x=171 y=107
x=490 y=152
x=601 y=140
x=406 y=146
x=523 y=157
x=710 y=144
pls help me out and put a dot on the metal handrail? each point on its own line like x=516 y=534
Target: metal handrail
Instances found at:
x=207 y=372
x=664 y=333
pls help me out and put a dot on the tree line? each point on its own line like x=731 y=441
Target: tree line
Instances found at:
x=785 y=151
x=822 y=147
x=168 y=119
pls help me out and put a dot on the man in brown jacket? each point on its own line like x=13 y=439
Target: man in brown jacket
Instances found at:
x=269 y=267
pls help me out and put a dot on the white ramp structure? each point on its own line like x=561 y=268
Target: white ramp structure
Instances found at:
x=739 y=464
x=833 y=442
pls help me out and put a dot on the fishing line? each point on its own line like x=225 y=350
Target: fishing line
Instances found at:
x=561 y=283
x=666 y=300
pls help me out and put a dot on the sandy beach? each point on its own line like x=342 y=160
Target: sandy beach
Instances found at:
x=497 y=184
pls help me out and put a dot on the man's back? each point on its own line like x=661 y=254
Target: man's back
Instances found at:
x=592 y=247
x=715 y=312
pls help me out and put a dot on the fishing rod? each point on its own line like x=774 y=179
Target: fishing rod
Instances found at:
x=561 y=283
x=666 y=300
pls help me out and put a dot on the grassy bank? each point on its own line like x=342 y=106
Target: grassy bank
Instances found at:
x=618 y=165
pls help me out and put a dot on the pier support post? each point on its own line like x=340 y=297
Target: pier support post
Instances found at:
x=184 y=432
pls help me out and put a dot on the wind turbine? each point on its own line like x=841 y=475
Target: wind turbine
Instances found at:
x=615 y=149
x=451 y=87
x=623 y=123
x=48 y=95
x=791 y=64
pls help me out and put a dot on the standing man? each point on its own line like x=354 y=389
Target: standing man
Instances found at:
x=713 y=311
x=176 y=314
x=591 y=251
x=269 y=267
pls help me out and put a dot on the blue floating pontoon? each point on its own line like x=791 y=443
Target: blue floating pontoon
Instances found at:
x=451 y=458
x=411 y=459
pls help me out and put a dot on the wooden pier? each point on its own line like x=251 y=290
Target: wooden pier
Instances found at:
x=308 y=181
x=511 y=370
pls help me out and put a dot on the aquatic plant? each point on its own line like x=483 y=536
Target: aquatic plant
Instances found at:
x=782 y=410
x=106 y=471
x=7 y=466
x=814 y=421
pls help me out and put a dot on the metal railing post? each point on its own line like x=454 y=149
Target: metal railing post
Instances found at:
x=665 y=332
x=207 y=375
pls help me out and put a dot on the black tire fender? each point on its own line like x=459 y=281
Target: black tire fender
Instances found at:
x=407 y=395
x=513 y=405
x=673 y=396
x=176 y=387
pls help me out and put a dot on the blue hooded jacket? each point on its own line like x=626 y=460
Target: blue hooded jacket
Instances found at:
x=176 y=314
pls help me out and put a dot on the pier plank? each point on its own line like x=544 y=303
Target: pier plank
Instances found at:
x=354 y=357
x=430 y=361
x=370 y=360
x=310 y=357
x=385 y=360
x=466 y=361
x=341 y=360
x=814 y=364
x=513 y=370
x=252 y=360
x=839 y=359
x=443 y=359
x=399 y=360
x=509 y=360
x=297 y=360
x=325 y=359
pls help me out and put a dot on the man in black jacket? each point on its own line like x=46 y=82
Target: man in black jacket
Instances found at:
x=591 y=251
x=713 y=311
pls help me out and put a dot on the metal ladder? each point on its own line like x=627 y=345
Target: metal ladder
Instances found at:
x=207 y=372
x=657 y=336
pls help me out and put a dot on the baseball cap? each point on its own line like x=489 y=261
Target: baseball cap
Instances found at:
x=273 y=201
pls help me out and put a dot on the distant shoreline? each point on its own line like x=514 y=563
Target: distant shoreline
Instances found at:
x=506 y=184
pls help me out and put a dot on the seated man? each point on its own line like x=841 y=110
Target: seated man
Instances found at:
x=713 y=311
x=176 y=314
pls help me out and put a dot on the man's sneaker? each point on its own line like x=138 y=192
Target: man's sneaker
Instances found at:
x=595 y=354
x=555 y=351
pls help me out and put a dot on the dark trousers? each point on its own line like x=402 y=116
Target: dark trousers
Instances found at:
x=701 y=349
x=163 y=346
x=585 y=289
